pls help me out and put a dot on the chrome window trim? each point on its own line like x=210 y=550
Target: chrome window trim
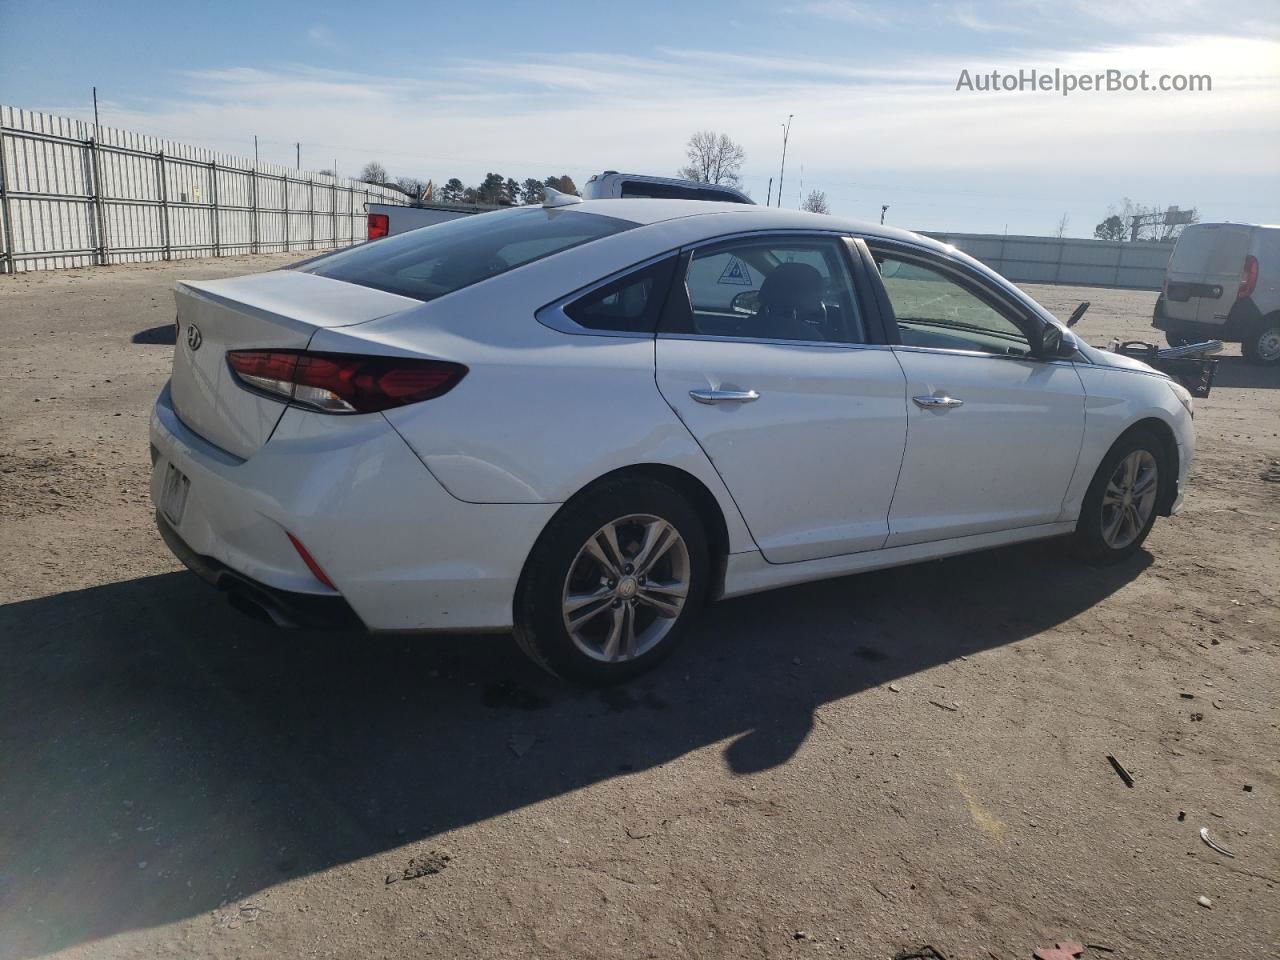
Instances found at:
x=552 y=315
x=977 y=354
x=775 y=342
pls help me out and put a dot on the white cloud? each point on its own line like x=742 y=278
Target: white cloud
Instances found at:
x=858 y=129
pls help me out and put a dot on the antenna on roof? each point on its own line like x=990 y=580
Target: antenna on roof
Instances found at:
x=554 y=198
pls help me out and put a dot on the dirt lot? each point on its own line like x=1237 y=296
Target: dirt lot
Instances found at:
x=860 y=767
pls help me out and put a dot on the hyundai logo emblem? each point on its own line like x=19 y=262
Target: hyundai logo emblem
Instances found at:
x=194 y=338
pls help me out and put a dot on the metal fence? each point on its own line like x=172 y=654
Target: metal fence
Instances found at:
x=1136 y=265
x=72 y=195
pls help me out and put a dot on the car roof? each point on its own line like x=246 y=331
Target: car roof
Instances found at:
x=721 y=218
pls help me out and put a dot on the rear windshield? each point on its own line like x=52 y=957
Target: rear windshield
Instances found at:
x=633 y=189
x=431 y=261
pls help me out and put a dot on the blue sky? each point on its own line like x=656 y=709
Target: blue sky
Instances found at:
x=440 y=90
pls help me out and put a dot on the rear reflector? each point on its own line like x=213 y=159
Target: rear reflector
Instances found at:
x=379 y=225
x=310 y=561
x=1248 y=278
x=341 y=382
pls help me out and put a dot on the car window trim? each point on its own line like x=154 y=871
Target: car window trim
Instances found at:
x=552 y=314
x=967 y=278
x=871 y=323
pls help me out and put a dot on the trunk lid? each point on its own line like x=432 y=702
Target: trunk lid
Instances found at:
x=282 y=309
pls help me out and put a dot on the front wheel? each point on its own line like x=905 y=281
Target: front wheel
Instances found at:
x=612 y=583
x=1120 y=506
x=1262 y=346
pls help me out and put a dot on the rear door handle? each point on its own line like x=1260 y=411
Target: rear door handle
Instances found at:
x=935 y=403
x=724 y=396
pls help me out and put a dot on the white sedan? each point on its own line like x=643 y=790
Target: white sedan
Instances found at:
x=583 y=421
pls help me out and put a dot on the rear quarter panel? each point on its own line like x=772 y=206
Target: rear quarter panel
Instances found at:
x=540 y=414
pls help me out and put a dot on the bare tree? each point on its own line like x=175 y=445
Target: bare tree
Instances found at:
x=412 y=186
x=713 y=158
x=816 y=202
x=1062 y=226
x=373 y=172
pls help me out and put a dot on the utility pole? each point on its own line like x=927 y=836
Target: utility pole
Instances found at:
x=769 y=199
x=298 y=161
x=255 y=149
x=95 y=111
x=786 y=134
x=883 y=208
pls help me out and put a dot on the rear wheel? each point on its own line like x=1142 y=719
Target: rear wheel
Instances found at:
x=613 y=582
x=1176 y=340
x=1120 y=506
x=1263 y=344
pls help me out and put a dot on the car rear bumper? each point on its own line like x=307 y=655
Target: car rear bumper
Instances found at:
x=284 y=608
x=1241 y=317
x=402 y=553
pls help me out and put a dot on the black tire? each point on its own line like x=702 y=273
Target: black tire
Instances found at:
x=1176 y=340
x=540 y=627
x=1262 y=345
x=1089 y=540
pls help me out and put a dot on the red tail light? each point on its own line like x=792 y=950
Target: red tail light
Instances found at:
x=1248 y=278
x=341 y=382
x=379 y=225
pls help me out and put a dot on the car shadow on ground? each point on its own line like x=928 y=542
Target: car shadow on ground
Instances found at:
x=1235 y=372
x=162 y=754
x=163 y=335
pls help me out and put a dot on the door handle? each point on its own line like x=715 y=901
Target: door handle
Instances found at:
x=937 y=403
x=724 y=396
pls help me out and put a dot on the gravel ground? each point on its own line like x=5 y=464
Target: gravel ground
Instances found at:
x=865 y=767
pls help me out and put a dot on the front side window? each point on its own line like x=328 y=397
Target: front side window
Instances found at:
x=780 y=288
x=432 y=261
x=933 y=309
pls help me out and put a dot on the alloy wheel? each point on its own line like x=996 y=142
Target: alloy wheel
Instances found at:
x=626 y=588
x=1269 y=345
x=1129 y=499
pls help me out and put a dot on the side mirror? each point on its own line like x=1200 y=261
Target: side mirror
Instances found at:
x=746 y=302
x=1078 y=312
x=1055 y=344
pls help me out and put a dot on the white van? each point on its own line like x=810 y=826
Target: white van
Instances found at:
x=1223 y=283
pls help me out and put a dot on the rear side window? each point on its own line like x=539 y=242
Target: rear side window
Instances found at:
x=627 y=305
x=432 y=261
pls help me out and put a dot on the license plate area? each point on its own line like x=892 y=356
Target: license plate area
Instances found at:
x=173 y=495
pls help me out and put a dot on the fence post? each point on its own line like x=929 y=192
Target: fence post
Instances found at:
x=6 y=219
x=333 y=211
x=285 y=181
x=311 y=210
x=253 y=204
x=163 y=183
x=104 y=247
x=213 y=189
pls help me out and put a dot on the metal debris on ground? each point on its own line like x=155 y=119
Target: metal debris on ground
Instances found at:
x=1064 y=950
x=427 y=866
x=1204 y=835
x=1205 y=902
x=953 y=707
x=1125 y=775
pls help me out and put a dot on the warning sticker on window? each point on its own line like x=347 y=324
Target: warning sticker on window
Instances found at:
x=737 y=273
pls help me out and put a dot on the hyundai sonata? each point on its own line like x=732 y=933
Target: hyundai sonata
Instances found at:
x=582 y=421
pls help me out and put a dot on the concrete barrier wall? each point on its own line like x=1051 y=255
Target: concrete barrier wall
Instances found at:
x=1094 y=263
x=71 y=196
